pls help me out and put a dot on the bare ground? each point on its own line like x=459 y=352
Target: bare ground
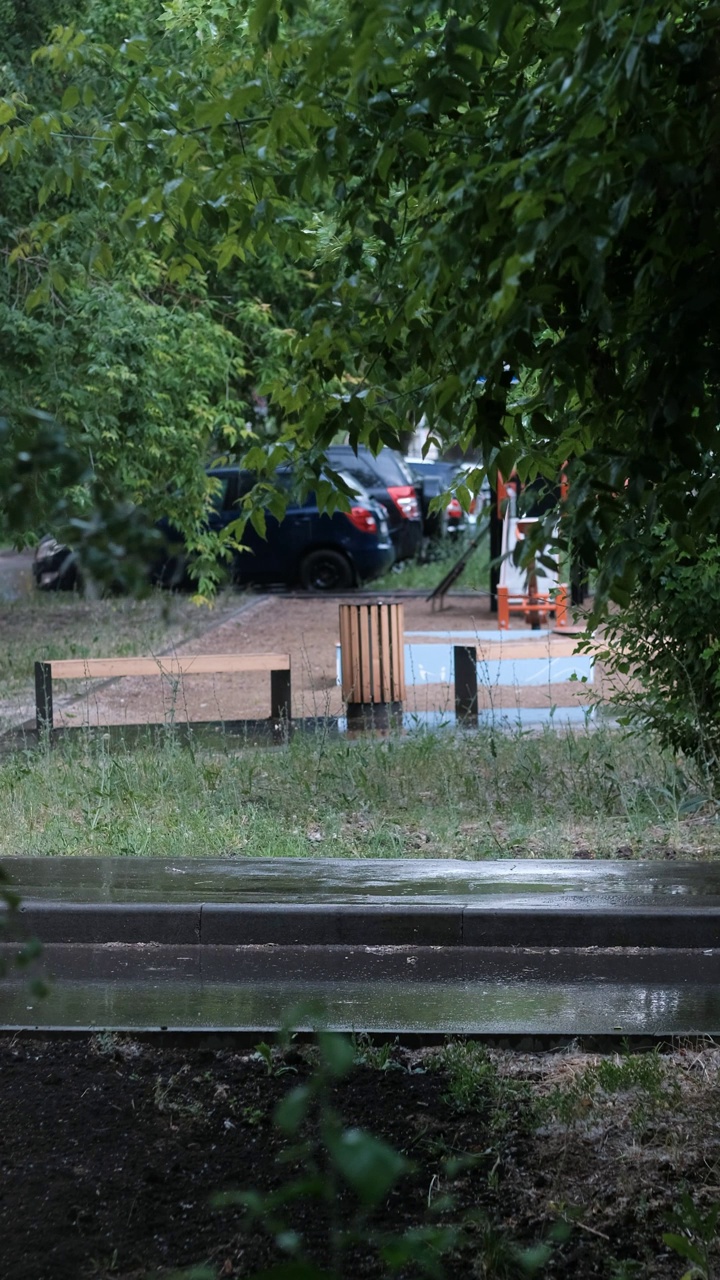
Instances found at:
x=112 y=1150
x=308 y=630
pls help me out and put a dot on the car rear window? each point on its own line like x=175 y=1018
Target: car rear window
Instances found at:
x=387 y=469
x=342 y=458
x=391 y=468
x=439 y=470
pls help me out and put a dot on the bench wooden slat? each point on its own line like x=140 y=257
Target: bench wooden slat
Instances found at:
x=513 y=650
x=202 y=664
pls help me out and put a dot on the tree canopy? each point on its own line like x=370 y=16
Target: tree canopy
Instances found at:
x=501 y=215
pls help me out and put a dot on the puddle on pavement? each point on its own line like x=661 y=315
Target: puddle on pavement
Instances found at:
x=508 y=883
x=404 y=991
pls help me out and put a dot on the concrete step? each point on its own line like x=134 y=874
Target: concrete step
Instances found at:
x=383 y=903
x=416 y=992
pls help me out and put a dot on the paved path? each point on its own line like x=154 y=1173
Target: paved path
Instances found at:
x=402 y=947
x=501 y=883
x=410 y=992
x=15 y=574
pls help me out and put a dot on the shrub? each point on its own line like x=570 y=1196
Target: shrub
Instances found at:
x=664 y=650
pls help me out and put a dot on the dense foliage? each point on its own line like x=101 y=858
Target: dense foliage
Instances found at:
x=134 y=374
x=499 y=214
x=663 y=652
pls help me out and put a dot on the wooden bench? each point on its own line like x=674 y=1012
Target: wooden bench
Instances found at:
x=278 y=664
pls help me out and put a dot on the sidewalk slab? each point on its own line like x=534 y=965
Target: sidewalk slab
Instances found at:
x=512 y=882
x=318 y=902
x=413 y=991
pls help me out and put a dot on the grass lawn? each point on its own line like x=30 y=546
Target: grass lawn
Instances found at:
x=65 y=625
x=581 y=793
x=438 y=558
x=595 y=793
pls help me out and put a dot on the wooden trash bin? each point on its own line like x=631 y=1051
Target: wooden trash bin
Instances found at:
x=373 y=663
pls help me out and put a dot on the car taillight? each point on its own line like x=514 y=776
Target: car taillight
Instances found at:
x=363 y=519
x=454 y=509
x=405 y=499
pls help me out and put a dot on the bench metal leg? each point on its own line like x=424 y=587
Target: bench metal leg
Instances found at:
x=280 y=695
x=43 y=699
x=466 y=684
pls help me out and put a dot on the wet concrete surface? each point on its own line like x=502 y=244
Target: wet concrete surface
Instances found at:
x=391 y=990
x=488 y=948
x=503 y=885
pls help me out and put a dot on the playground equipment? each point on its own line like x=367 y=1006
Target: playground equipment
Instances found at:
x=517 y=590
x=437 y=595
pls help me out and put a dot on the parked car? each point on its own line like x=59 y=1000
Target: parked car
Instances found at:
x=388 y=480
x=433 y=477
x=54 y=566
x=321 y=552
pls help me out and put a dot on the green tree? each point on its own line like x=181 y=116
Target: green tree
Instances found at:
x=146 y=361
x=507 y=208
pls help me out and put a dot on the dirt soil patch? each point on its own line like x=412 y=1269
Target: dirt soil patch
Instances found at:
x=307 y=628
x=111 y=1151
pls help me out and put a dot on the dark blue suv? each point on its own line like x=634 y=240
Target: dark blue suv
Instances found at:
x=321 y=552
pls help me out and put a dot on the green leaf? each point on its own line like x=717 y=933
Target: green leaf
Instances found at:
x=258 y=521
x=369 y=1166
x=211 y=113
x=262 y=21
x=416 y=141
x=70 y=98
x=423 y=1246
x=384 y=161
x=38 y=295
x=684 y=1247
x=59 y=283
x=535 y=1259
x=292 y=1109
x=337 y=1052
x=589 y=126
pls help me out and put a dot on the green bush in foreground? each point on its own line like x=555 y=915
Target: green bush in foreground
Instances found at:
x=664 y=652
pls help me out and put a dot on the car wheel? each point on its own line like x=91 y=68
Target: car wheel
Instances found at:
x=326 y=571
